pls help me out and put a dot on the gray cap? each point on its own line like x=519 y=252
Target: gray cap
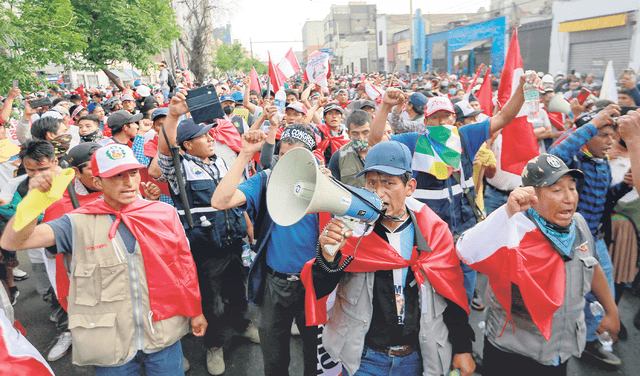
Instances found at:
x=545 y=170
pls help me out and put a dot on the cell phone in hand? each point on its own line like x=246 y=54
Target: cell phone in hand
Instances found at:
x=584 y=93
x=15 y=83
x=40 y=102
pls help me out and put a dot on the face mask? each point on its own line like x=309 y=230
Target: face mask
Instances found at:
x=228 y=109
x=94 y=136
x=360 y=145
x=255 y=102
x=445 y=84
x=61 y=143
x=452 y=91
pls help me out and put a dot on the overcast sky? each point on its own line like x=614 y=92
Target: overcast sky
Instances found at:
x=282 y=20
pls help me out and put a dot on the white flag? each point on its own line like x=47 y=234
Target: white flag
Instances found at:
x=609 y=90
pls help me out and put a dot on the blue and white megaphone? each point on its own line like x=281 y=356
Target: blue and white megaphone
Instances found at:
x=297 y=187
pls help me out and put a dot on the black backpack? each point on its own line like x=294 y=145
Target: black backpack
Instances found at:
x=171 y=81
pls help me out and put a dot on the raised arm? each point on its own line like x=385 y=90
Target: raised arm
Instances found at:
x=8 y=102
x=177 y=107
x=227 y=195
x=513 y=106
x=392 y=97
x=246 y=81
x=629 y=128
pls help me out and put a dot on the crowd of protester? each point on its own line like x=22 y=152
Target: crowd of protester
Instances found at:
x=198 y=243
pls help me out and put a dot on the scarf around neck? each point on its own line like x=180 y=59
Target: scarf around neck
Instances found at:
x=561 y=237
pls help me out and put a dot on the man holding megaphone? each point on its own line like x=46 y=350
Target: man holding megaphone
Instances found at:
x=400 y=307
x=274 y=278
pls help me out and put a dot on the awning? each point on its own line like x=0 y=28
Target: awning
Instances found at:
x=473 y=45
x=119 y=74
x=131 y=73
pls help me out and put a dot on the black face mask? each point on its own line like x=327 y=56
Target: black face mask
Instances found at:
x=94 y=136
x=228 y=109
x=255 y=102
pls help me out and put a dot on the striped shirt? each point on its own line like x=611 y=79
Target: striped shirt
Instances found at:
x=594 y=188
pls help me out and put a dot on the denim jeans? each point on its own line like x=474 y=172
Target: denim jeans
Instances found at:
x=377 y=363
x=602 y=254
x=493 y=199
x=166 y=362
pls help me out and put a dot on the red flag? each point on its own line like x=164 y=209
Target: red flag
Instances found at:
x=519 y=144
x=275 y=77
x=557 y=120
x=289 y=64
x=80 y=91
x=485 y=96
x=255 y=81
x=475 y=78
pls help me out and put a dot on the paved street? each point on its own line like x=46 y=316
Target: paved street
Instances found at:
x=244 y=358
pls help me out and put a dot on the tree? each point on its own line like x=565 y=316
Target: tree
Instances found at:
x=233 y=59
x=125 y=30
x=81 y=34
x=197 y=40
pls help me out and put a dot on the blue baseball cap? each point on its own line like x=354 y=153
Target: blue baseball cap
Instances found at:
x=159 y=112
x=418 y=100
x=188 y=129
x=237 y=97
x=227 y=97
x=389 y=157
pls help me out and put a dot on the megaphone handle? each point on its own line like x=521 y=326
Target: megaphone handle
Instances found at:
x=350 y=224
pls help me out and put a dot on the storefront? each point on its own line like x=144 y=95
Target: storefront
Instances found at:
x=587 y=34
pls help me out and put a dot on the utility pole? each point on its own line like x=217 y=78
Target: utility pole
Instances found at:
x=410 y=36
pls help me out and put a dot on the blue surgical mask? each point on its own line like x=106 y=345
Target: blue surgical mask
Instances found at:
x=452 y=91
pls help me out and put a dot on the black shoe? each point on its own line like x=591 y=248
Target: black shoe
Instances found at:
x=594 y=348
x=13 y=295
x=623 y=335
x=636 y=320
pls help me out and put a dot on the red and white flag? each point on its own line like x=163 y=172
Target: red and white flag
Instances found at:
x=517 y=253
x=17 y=356
x=473 y=82
x=255 y=82
x=289 y=64
x=276 y=79
x=318 y=69
x=485 y=95
x=519 y=144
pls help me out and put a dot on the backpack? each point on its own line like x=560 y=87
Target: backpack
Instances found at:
x=171 y=81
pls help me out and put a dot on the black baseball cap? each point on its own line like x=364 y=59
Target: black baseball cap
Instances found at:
x=332 y=106
x=119 y=119
x=545 y=170
x=81 y=153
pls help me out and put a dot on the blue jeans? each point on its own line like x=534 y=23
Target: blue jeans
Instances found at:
x=377 y=363
x=602 y=254
x=469 y=281
x=166 y=95
x=166 y=362
x=493 y=199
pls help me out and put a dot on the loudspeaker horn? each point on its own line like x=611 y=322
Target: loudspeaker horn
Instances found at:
x=557 y=103
x=297 y=187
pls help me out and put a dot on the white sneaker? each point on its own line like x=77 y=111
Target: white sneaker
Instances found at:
x=294 y=329
x=60 y=348
x=215 y=361
x=251 y=333
x=185 y=364
x=19 y=274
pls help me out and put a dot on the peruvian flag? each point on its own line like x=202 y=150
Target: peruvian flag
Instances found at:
x=485 y=95
x=318 y=69
x=519 y=143
x=17 y=355
x=255 y=81
x=275 y=75
x=289 y=64
x=514 y=250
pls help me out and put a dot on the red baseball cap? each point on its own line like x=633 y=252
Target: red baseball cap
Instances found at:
x=436 y=104
x=113 y=159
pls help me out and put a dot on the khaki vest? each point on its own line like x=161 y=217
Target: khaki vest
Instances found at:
x=350 y=318
x=109 y=313
x=568 y=330
x=350 y=165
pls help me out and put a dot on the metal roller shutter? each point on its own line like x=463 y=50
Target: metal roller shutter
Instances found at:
x=593 y=57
